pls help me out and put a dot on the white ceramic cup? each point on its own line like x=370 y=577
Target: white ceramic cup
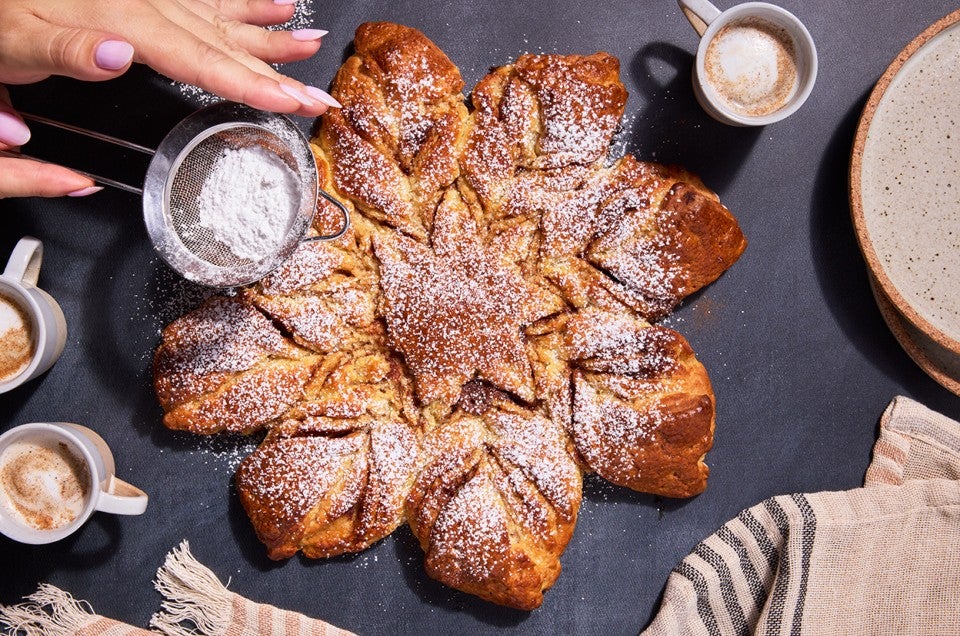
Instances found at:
x=709 y=21
x=105 y=492
x=49 y=328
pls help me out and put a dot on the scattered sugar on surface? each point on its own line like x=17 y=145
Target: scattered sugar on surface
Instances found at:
x=302 y=18
x=167 y=297
x=223 y=451
x=622 y=141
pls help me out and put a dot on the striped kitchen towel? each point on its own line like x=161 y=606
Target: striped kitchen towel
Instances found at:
x=883 y=559
x=195 y=603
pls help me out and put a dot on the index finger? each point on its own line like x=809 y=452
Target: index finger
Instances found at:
x=215 y=71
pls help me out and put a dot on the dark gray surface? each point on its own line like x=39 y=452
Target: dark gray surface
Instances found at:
x=801 y=361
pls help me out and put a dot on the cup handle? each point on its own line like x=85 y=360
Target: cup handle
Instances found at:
x=120 y=498
x=24 y=263
x=700 y=13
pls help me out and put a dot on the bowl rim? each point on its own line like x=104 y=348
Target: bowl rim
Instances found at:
x=874 y=264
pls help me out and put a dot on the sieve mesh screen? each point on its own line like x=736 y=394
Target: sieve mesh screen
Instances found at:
x=188 y=178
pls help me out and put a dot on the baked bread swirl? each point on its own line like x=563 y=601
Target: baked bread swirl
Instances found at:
x=482 y=336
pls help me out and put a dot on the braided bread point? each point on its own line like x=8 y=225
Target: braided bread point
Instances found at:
x=226 y=368
x=495 y=501
x=326 y=491
x=392 y=146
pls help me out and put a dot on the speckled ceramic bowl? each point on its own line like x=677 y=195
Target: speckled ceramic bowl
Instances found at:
x=905 y=187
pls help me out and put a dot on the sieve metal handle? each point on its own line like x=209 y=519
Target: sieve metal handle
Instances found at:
x=88 y=133
x=104 y=180
x=116 y=141
x=343 y=212
x=123 y=143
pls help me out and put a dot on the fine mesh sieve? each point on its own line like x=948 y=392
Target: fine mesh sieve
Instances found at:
x=176 y=176
x=178 y=172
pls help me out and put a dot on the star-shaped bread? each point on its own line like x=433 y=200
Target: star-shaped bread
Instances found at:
x=482 y=336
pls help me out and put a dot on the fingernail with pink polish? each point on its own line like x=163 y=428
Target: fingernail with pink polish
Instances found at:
x=13 y=132
x=296 y=94
x=284 y=1
x=323 y=96
x=306 y=35
x=113 y=55
x=83 y=192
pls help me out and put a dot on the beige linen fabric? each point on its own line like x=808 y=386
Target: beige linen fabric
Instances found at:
x=195 y=603
x=883 y=559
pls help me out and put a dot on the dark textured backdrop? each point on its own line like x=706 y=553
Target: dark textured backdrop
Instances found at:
x=801 y=361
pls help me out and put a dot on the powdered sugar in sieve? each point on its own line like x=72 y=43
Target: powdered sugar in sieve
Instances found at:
x=230 y=193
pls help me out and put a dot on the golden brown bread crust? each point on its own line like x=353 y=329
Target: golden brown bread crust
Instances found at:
x=225 y=367
x=328 y=494
x=479 y=338
x=495 y=502
x=393 y=144
x=642 y=406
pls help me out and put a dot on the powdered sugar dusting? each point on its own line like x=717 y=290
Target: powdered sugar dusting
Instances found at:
x=470 y=534
x=310 y=263
x=287 y=478
x=602 y=423
x=542 y=258
x=616 y=343
x=302 y=18
x=533 y=446
x=648 y=262
x=456 y=314
x=225 y=335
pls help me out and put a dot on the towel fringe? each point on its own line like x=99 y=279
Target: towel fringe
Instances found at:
x=49 y=611
x=192 y=595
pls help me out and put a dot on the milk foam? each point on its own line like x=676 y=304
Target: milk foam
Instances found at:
x=11 y=316
x=751 y=65
x=16 y=339
x=43 y=485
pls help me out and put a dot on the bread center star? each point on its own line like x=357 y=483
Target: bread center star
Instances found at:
x=456 y=310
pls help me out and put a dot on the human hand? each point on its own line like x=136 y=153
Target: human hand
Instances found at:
x=218 y=45
x=23 y=177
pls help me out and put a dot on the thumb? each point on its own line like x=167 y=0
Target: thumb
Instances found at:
x=50 y=49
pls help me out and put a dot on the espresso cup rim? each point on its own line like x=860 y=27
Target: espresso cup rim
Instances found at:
x=807 y=51
x=26 y=534
x=38 y=323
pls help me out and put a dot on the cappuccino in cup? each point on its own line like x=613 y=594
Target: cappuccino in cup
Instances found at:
x=33 y=329
x=756 y=63
x=751 y=64
x=44 y=485
x=53 y=477
x=17 y=343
